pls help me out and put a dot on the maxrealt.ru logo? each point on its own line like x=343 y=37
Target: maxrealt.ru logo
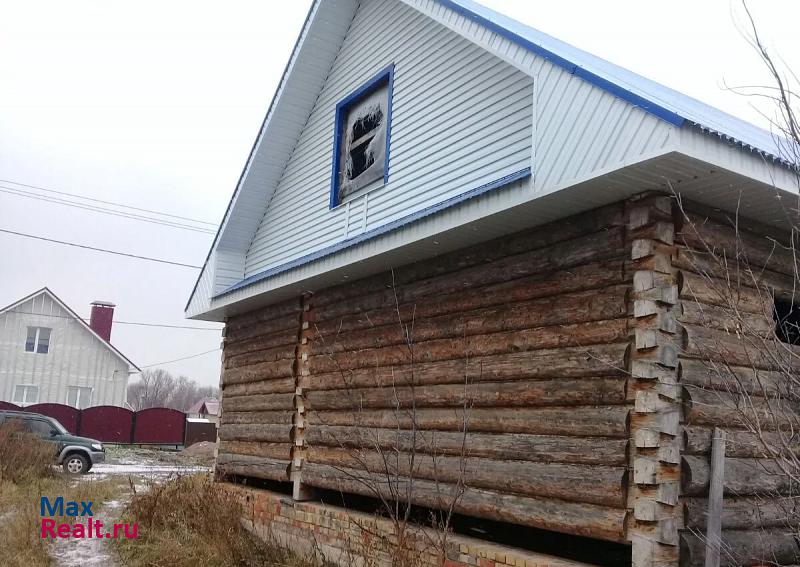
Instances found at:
x=90 y=528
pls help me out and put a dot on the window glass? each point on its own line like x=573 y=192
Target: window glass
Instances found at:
x=362 y=151
x=26 y=394
x=40 y=427
x=79 y=397
x=30 y=342
x=43 y=346
x=38 y=340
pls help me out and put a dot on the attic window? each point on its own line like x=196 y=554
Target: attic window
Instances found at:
x=361 y=140
x=787 y=321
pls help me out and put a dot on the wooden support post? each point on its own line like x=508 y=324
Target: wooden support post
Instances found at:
x=715 y=490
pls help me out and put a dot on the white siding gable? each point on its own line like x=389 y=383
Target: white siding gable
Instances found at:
x=461 y=118
x=76 y=357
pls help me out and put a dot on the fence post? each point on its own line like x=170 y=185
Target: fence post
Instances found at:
x=715 y=492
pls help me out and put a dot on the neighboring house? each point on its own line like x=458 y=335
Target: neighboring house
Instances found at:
x=48 y=354
x=207 y=408
x=508 y=198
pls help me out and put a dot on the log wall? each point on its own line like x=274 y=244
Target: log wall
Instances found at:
x=733 y=374
x=498 y=370
x=520 y=341
x=259 y=373
x=557 y=378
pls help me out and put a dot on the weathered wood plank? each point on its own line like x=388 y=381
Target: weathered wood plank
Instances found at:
x=581 y=307
x=568 y=362
x=737 y=350
x=744 y=513
x=725 y=318
x=602 y=332
x=272 y=417
x=259 y=357
x=272 y=433
x=502 y=446
x=538 y=285
x=277 y=316
x=757 y=547
x=280 y=451
x=719 y=408
x=604 y=246
x=280 y=386
x=455 y=263
x=722 y=376
x=579 y=483
x=556 y=392
x=743 y=477
x=258 y=402
x=258 y=372
x=710 y=291
x=601 y=421
x=704 y=234
x=248 y=465
x=741 y=443
x=568 y=517
x=288 y=337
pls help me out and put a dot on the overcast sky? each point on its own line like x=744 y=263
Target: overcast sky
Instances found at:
x=156 y=105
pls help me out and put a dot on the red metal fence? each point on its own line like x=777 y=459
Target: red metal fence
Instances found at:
x=112 y=424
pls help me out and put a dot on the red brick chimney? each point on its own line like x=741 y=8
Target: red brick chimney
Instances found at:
x=102 y=318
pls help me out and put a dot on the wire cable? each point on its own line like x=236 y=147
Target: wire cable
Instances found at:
x=115 y=322
x=106 y=202
x=136 y=256
x=96 y=209
x=180 y=359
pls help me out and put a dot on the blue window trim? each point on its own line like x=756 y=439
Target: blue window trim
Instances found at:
x=495 y=185
x=384 y=76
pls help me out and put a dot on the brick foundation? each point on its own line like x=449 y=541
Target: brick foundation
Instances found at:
x=354 y=539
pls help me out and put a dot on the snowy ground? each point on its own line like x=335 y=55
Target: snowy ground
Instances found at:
x=88 y=551
x=142 y=468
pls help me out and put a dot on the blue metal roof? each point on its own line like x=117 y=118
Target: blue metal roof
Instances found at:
x=661 y=101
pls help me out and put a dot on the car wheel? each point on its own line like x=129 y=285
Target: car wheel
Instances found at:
x=75 y=463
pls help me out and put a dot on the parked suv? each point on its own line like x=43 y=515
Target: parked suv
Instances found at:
x=75 y=454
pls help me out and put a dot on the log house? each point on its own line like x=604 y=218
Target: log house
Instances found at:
x=468 y=263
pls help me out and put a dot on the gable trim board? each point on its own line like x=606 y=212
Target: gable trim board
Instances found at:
x=491 y=32
x=342 y=106
x=83 y=323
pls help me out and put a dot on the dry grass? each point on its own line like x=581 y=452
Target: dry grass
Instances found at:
x=23 y=455
x=27 y=474
x=190 y=521
x=20 y=527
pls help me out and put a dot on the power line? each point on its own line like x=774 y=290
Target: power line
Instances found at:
x=101 y=249
x=180 y=359
x=106 y=202
x=117 y=322
x=96 y=209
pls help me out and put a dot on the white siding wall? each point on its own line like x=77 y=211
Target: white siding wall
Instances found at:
x=461 y=118
x=581 y=131
x=75 y=358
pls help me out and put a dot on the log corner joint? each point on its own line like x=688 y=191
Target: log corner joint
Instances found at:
x=654 y=516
